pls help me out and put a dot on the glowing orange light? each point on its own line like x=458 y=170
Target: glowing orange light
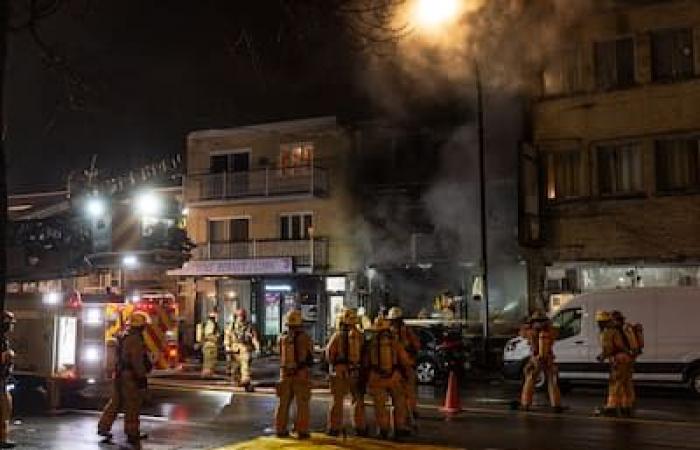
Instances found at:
x=433 y=13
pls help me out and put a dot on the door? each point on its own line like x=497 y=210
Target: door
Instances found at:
x=239 y=165
x=573 y=344
x=240 y=237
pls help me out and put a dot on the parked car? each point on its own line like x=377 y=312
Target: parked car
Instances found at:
x=671 y=334
x=441 y=348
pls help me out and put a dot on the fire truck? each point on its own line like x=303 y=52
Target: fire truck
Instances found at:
x=62 y=341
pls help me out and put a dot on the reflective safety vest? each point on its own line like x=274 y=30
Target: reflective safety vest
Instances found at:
x=383 y=357
x=294 y=352
x=242 y=333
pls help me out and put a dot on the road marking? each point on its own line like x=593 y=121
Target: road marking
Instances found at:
x=324 y=396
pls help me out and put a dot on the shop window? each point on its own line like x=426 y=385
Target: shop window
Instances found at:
x=619 y=169
x=563 y=74
x=564 y=174
x=569 y=323
x=614 y=63
x=296 y=226
x=677 y=164
x=672 y=54
x=296 y=156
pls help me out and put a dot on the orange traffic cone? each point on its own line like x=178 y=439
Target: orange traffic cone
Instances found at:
x=453 y=403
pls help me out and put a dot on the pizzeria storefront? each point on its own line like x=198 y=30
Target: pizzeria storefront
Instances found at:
x=267 y=288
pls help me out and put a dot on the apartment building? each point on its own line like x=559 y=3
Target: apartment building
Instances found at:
x=268 y=209
x=611 y=182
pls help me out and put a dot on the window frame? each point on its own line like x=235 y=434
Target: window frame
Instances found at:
x=546 y=155
x=659 y=189
x=302 y=215
x=674 y=77
x=618 y=146
x=228 y=153
x=616 y=85
x=229 y=220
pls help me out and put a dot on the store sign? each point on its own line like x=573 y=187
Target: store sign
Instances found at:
x=262 y=266
x=335 y=284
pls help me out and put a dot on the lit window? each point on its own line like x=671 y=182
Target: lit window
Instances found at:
x=564 y=174
x=297 y=155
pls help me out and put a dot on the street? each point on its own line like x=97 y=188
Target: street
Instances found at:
x=184 y=415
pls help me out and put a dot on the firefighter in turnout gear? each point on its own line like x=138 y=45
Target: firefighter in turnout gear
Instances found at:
x=618 y=352
x=130 y=382
x=296 y=358
x=386 y=359
x=241 y=341
x=344 y=354
x=410 y=342
x=541 y=335
x=6 y=360
x=210 y=344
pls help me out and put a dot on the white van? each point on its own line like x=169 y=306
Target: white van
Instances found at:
x=671 y=320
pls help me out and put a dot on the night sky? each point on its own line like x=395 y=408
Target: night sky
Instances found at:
x=150 y=71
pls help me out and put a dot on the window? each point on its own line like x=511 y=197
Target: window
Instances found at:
x=569 y=323
x=235 y=161
x=296 y=226
x=677 y=164
x=614 y=63
x=619 y=169
x=564 y=174
x=672 y=54
x=563 y=75
x=300 y=154
x=229 y=230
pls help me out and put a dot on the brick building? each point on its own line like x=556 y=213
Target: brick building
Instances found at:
x=611 y=182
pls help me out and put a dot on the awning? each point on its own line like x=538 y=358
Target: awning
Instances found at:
x=222 y=267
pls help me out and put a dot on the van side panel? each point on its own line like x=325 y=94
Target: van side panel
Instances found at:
x=678 y=334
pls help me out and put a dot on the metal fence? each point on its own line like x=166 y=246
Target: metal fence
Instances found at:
x=300 y=250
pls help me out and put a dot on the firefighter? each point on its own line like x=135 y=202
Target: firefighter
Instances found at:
x=616 y=351
x=130 y=382
x=210 y=346
x=241 y=342
x=541 y=335
x=296 y=358
x=6 y=360
x=344 y=354
x=385 y=359
x=410 y=342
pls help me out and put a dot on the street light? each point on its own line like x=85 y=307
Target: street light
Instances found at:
x=148 y=204
x=95 y=207
x=434 y=13
x=130 y=261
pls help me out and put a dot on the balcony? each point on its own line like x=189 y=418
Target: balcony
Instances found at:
x=299 y=250
x=255 y=184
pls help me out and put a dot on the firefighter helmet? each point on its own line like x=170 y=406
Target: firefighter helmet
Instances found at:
x=602 y=316
x=242 y=314
x=617 y=316
x=9 y=317
x=538 y=316
x=395 y=313
x=139 y=319
x=348 y=317
x=381 y=324
x=294 y=319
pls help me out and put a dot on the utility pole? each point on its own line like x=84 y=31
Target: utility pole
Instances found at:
x=482 y=210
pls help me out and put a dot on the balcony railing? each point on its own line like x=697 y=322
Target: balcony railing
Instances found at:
x=299 y=250
x=262 y=183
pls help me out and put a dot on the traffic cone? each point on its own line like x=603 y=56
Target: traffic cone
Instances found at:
x=453 y=403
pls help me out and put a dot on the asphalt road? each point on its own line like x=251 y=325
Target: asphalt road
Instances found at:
x=186 y=417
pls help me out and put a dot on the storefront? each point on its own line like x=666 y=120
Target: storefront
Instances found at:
x=267 y=289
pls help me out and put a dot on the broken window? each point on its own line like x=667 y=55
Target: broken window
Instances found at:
x=672 y=54
x=614 y=63
x=677 y=164
x=564 y=174
x=620 y=168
